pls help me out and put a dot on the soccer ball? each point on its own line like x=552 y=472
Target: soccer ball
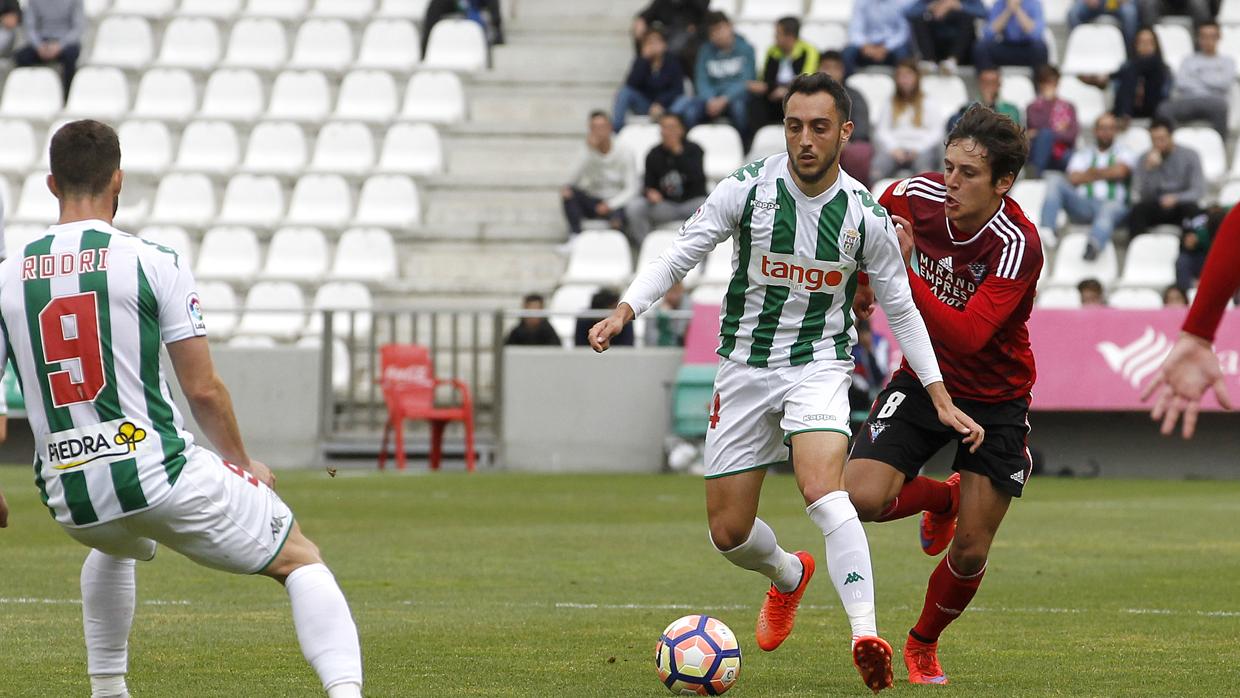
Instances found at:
x=698 y=655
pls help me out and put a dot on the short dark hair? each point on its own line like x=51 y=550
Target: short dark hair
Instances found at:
x=831 y=55
x=1045 y=73
x=790 y=26
x=716 y=17
x=599 y=114
x=821 y=82
x=1089 y=285
x=655 y=29
x=673 y=115
x=604 y=298
x=84 y=156
x=1209 y=23
x=533 y=298
x=1007 y=149
x=1163 y=122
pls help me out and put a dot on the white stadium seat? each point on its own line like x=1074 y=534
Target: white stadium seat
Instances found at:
x=639 y=140
x=367 y=95
x=457 y=44
x=296 y=254
x=167 y=94
x=228 y=253
x=190 y=42
x=949 y=92
x=32 y=93
x=365 y=254
x=1090 y=102
x=830 y=11
x=320 y=200
x=1018 y=89
x=655 y=244
x=44 y=152
x=257 y=43
x=390 y=44
x=36 y=204
x=717 y=269
x=276 y=147
x=155 y=9
x=146 y=147
x=20 y=144
x=1030 y=194
x=219 y=308
x=770 y=10
x=1135 y=299
x=353 y=10
x=599 y=257
x=769 y=140
x=1071 y=268
x=125 y=42
x=435 y=96
x=184 y=199
x=1094 y=49
x=403 y=9
x=1058 y=298
x=94 y=8
x=413 y=149
x=761 y=36
x=824 y=35
x=1229 y=12
x=174 y=238
x=877 y=88
x=722 y=149
x=709 y=294
x=1209 y=145
x=233 y=94
x=1176 y=43
x=100 y=93
x=17 y=236
x=208 y=146
x=323 y=44
x=731 y=8
x=344 y=147
x=388 y=201
x=281 y=9
x=215 y=9
x=274 y=309
x=1230 y=194
x=300 y=96
x=256 y=200
x=344 y=296
x=1056 y=11
x=570 y=298
x=1135 y=139
x=1150 y=261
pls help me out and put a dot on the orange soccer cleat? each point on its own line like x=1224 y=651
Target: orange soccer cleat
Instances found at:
x=922 y=660
x=872 y=655
x=937 y=530
x=779 y=611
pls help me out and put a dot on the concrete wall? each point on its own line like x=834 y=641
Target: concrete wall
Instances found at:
x=580 y=411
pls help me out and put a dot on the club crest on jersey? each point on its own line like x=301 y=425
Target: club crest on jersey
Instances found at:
x=978 y=270
x=876 y=430
x=850 y=240
x=691 y=220
x=114 y=439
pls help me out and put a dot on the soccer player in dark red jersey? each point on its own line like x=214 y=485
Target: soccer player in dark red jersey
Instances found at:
x=1192 y=367
x=973 y=264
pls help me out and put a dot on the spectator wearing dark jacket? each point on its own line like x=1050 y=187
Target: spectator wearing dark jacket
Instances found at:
x=54 y=30
x=1143 y=81
x=858 y=155
x=681 y=22
x=533 y=331
x=675 y=183
x=604 y=299
x=725 y=67
x=655 y=82
x=789 y=57
x=944 y=31
x=10 y=24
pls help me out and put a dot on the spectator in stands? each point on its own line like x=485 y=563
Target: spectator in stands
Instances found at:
x=604 y=299
x=989 y=82
x=603 y=181
x=1168 y=181
x=1091 y=293
x=788 y=58
x=908 y=131
x=1124 y=10
x=725 y=67
x=1202 y=83
x=870 y=361
x=1013 y=35
x=858 y=156
x=10 y=22
x=663 y=330
x=1141 y=83
x=680 y=21
x=484 y=12
x=1194 y=245
x=944 y=31
x=655 y=81
x=533 y=331
x=1095 y=187
x=1173 y=297
x=1051 y=124
x=54 y=31
x=878 y=34
x=1153 y=10
x=675 y=184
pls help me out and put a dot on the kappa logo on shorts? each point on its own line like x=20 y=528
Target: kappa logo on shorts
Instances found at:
x=876 y=429
x=277 y=525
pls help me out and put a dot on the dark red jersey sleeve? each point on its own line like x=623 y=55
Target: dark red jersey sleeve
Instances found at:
x=967 y=331
x=1219 y=280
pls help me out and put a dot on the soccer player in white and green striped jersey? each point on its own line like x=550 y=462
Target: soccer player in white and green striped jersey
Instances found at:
x=802 y=231
x=84 y=311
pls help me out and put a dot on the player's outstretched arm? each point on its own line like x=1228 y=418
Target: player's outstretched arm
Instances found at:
x=606 y=329
x=1189 y=371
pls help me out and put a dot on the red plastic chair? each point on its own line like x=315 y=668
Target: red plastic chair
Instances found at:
x=408 y=382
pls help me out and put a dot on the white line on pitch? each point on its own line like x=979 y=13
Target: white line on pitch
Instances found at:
x=30 y=600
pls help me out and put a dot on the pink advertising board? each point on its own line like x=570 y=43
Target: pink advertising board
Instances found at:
x=1088 y=359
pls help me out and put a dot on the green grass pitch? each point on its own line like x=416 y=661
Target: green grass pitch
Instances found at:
x=522 y=585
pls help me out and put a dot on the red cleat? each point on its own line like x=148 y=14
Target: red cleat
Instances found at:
x=937 y=530
x=779 y=611
x=922 y=660
x=872 y=656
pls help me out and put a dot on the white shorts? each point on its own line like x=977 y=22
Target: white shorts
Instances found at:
x=756 y=411
x=216 y=515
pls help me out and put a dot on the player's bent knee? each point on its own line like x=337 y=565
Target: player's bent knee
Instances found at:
x=298 y=551
x=968 y=559
x=726 y=535
x=869 y=508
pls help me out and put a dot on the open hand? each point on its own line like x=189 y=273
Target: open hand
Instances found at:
x=1188 y=372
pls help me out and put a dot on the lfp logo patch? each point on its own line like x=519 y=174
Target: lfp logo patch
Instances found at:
x=194 y=307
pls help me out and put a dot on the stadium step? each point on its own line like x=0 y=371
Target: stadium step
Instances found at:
x=563 y=109
x=511 y=159
x=567 y=63
x=555 y=10
x=480 y=268
x=452 y=205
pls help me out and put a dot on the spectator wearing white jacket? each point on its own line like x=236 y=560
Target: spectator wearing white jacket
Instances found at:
x=603 y=180
x=908 y=131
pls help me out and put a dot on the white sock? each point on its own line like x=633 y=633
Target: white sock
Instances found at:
x=345 y=690
x=109 y=593
x=325 y=629
x=108 y=687
x=848 y=559
x=761 y=553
